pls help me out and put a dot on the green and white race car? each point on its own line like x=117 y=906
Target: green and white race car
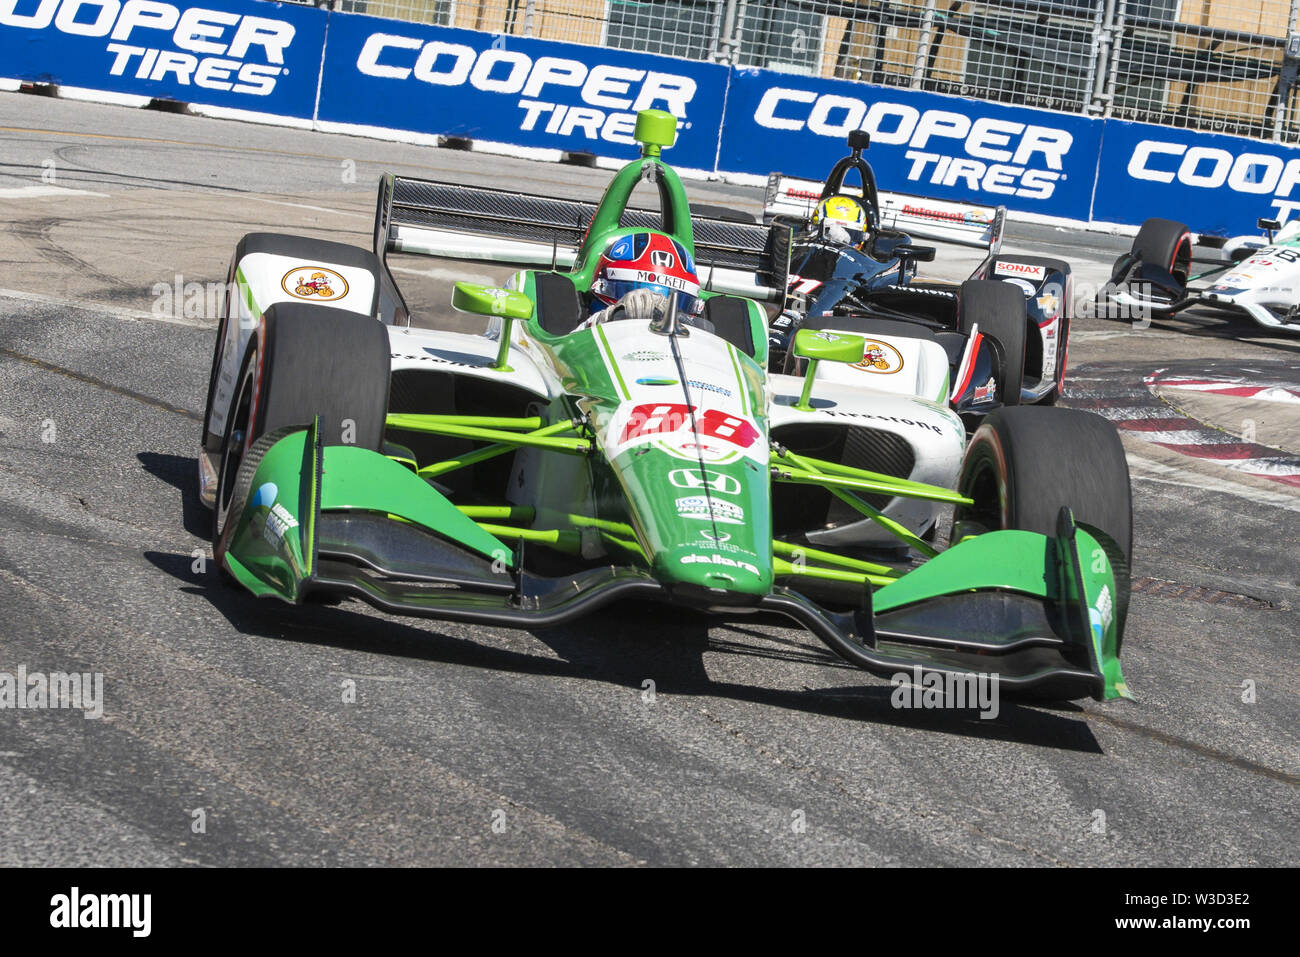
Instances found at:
x=548 y=466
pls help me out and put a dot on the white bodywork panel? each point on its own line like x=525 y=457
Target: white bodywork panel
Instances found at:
x=894 y=364
x=1265 y=283
x=268 y=279
x=934 y=432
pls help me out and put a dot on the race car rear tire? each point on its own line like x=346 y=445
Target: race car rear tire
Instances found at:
x=998 y=309
x=1167 y=244
x=314 y=362
x=1022 y=465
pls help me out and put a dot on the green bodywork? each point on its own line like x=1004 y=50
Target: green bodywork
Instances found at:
x=645 y=507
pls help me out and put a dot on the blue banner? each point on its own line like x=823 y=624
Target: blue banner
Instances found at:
x=1212 y=182
x=263 y=57
x=942 y=146
x=507 y=89
x=375 y=74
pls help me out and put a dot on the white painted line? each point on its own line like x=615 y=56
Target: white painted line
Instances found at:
x=450 y=275
x=116 y=312
x=1098 y=335
x=318 y=209
x=42 y=192
x=103 y=96
x=249 y=116
x=1172 y=475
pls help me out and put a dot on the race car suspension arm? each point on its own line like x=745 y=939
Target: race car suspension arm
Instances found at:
x=809 y=471
x=505 y=434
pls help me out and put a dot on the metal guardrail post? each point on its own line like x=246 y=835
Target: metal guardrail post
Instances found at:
x=923 y=44
x=530 y=8
x=728 y=47
x=1103 y=25
x=1290 y=55
x=1116 y=29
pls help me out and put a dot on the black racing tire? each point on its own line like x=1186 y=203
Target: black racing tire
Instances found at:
x=1167 y=244
x=313 y=362
x=223 y=320
x=1024 y=464
x=998 y=308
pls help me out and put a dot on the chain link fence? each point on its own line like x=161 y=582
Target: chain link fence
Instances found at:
x=1222 y=65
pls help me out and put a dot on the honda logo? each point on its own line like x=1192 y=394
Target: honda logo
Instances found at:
x=661 y=258
x=705 y=478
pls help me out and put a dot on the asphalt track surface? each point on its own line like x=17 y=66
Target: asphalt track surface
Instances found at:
x=757 y=746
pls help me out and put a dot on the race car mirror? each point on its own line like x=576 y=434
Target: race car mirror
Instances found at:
x=817 y=346
x=1269 y=226
x=493 y=301
x=920 y=254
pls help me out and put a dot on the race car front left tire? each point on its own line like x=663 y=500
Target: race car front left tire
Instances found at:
x=306 y=362
x=1024 y=464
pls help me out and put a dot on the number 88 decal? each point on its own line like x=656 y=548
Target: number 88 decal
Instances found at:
x=657 y=418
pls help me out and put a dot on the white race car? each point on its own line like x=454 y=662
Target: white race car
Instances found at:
x=1166 y=272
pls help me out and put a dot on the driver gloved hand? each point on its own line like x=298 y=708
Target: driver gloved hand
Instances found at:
x=640 y=305
x=838 y=235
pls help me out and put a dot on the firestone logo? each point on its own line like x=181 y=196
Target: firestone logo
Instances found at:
x=216 y=42
x=999 y=156
x=612 y=94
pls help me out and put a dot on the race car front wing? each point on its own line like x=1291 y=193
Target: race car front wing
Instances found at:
x=1041 y=614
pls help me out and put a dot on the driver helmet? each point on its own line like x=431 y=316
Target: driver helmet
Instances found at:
x=841 y=219
x=651 y=261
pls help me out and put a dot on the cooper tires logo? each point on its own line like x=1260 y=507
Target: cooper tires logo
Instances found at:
x=880 y=357
x=314 y=282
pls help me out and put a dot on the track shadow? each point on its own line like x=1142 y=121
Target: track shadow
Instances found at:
x=181 y=472
x=1229 y=325
x=623 y=645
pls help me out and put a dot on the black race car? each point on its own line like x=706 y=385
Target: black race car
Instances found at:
x=1003 y=331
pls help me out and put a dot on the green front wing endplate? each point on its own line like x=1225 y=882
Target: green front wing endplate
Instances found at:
x=1045 y=614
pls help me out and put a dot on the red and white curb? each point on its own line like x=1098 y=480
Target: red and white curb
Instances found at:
x=1139 y=411
x=1235 y=387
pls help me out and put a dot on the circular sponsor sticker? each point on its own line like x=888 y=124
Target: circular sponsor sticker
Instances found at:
x=1025 y=286
x=879 y=357
x=314 y=282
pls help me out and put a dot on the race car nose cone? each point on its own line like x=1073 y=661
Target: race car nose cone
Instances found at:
x=713 y=575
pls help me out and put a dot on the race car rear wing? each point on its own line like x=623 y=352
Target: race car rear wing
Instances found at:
x=479 y=223
x=937 y=219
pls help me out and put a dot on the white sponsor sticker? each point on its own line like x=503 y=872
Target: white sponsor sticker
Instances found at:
x=721 y=560
x=1023 y=270
x=701 y=507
